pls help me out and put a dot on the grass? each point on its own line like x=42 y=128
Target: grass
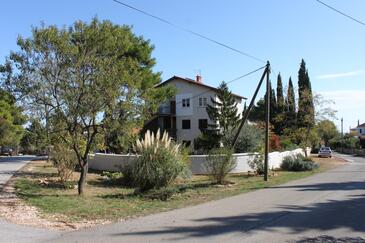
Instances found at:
x=105 y=201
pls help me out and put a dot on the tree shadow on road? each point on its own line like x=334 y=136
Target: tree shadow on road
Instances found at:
x=331 y=214
x=330 y=239
x=340 y=186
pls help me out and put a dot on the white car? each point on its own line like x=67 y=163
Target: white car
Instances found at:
x=325 y=152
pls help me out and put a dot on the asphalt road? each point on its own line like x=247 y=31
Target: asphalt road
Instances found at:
x=9 y=232
x=326 y=207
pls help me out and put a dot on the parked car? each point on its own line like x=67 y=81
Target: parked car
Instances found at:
x=6 y=151
x=325 y=152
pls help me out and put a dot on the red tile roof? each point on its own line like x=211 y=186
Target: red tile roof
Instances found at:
x=192 y=81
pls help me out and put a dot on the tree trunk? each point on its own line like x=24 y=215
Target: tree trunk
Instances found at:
x=82 y=180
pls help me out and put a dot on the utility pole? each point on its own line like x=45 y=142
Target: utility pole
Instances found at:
x=341 y=134
x=267 y=111
x=267 y=123
x=252 y=103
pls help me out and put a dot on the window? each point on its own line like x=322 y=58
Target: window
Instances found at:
x=202 y=101
x=185 y=124
x=185 y=102
x=203 y=124
x=186 y=143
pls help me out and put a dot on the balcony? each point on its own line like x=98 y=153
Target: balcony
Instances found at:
x=167 y=108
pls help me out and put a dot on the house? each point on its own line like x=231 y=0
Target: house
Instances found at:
x=358 y=131
x=185 y=114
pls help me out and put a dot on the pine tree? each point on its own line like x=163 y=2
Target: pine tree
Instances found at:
x=290 y=103
x=224 y=109
x=305 y=116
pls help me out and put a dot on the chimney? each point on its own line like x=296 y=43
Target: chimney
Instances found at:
x=358 y=122
x=198 y=78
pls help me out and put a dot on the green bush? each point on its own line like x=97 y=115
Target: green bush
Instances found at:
x=287 y=144
x=113 y=178
x=65 y=161
x=298 y=163
x=219 y=163
x=249 y=140
x=257 y=164
x=160 y=161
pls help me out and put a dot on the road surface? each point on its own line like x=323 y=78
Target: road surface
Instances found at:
x=326 y=207
x=9 y=232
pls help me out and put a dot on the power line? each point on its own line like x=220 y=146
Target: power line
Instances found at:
x=340 y=12
x=190 y=31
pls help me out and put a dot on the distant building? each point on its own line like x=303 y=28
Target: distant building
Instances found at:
x=184 y=116
x=358 y=131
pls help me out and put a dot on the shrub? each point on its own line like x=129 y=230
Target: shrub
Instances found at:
x=249 y=139
x=65 y=161
x=298 y=163
x=275 y=144
x=287 y=144
x=206 y=141
x=257 y=164
x=160 y=161
x=219 y=163
x=113 y=178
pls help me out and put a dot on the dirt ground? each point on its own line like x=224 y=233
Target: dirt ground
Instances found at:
x=14 y=210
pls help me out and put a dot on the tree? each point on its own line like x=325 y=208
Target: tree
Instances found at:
x=305 y=117
x=249 y=140
x=326 y=130
x=11 y=120
x=258 y=111
x=34 y=139
x=280 y=116
x=273 y=106
x=280 y=96
x=291 y=108
x=224 y=110
x=323 y=109
x=82 y=72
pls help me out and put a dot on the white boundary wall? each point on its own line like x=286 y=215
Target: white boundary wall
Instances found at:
x=113 y=162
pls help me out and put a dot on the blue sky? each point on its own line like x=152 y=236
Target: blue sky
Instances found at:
x=282 y=31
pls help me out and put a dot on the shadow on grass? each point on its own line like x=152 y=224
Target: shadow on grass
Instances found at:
x=35 y=174
x=162 y=194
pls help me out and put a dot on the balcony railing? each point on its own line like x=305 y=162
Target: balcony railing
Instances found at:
x=167 y=109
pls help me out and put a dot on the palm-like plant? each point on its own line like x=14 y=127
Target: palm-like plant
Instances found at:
x=160 y=161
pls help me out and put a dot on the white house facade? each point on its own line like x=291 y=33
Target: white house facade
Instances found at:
x=184 y=116
x=358 y=131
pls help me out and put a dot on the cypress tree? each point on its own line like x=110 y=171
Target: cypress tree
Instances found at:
x=280 y=96
x=305 y=116
x=279 y=120
x=290 y=103
x=273 y=105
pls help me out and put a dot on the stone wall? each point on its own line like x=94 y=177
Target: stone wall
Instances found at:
x=113 y=162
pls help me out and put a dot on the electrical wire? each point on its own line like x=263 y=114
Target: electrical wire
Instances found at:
x=231 y=81
x=340 y=12
x=190 y=31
